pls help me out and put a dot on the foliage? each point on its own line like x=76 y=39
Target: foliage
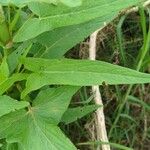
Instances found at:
x=35 y=88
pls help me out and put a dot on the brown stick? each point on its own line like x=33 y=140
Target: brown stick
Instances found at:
x=135 y=9
x=100 y=118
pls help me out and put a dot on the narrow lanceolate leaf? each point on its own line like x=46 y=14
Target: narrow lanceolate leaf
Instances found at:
x=78 y=72
x=10 y=81
x=114 y=145
x=24 y=2
x=60 y=40
x=4 y=71
x=37 y=128
x=134 y=100
x=51 y=17
x=7 y=105
x=13 y=58
x=72 y=114
x=71 y=3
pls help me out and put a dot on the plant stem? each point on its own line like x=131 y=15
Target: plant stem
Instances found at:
x=144 y=52
x=23 y=56
x=100 y=117
x=4 y=31
x=121 y=39
x=120 y=110
x=15 y=20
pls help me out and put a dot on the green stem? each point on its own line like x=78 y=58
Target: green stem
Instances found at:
x=4 y=31
x=144 y=52
x=5 y=52
x=24 y=55
x=120 y=110
x=121 y=39
x=15 y=20
x=143 y=22
x=144 y=30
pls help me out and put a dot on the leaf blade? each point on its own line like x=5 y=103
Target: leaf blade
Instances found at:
x=60 y=40
x=4 y=71
x=78 y=73
x=9 y=105
x=53 y=102
x=88 y=11
x=72 y=114
x=32 y=131
x=11 y=80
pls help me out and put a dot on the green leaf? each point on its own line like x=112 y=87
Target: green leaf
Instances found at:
x=114 y=145
x=78 y=73
x=13 y=58
x=71 y=3
x=13 y=146
x=126 y=116
x=36 y=128
x=10 y=81
x=7 y=105
x=24 y=2
x=52 y=17
x=4 y=71
x=45 y=10
x=135 y=100
x=60 y=40
x=32 y=132
x=72 y=114
x=53 y=102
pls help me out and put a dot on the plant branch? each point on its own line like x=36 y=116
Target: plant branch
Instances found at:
x=135 y=9
x=100 y=118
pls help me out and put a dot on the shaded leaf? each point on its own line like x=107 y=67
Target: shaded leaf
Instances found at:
x=7 y=105
x=13 y=58
x=53 y=102
x=126 y=116
x=4 y=70
x=32 y=132
x=135 y=100
x=114 y=145
x=34 y=129
x=72 y=114
x=10 y=81
x=13 y=146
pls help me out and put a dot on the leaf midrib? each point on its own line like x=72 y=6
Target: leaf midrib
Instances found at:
x=43 y=133
x=88 y=72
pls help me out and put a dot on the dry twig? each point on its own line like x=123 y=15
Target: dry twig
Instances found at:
x=100 y=118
